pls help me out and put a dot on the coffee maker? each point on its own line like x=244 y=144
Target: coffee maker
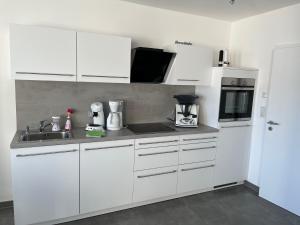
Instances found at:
x=115 y=117
x=97 y=114
x=186 y=111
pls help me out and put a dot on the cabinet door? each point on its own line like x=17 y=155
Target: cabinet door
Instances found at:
x=232 y=155
x=106 y=175
x=155 y=183
x=195 y=176
x=103 y=58
x=45 y=183
x=149 y=158
x=192 y=66
x=40 y=53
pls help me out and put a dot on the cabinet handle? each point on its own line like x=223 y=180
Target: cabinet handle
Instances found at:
x=187 y=80
x=197 y=168
x=88 y=75
x=157 y=153
x=235 y=126
x=52 y=74
x=118 y=146
x=193 y=149
x=46 y=153
x=196 y=139
x=158 y=142
x=156 y=174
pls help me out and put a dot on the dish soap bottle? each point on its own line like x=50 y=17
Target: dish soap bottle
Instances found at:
x=68 y=125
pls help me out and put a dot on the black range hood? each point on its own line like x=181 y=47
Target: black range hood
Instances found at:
x=149 y=65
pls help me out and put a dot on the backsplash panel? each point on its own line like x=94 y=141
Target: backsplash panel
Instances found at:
x=39 y=100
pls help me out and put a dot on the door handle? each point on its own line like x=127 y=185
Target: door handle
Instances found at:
x=272 y=123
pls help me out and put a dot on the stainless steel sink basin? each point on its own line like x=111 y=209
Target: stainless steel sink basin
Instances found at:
x=46 y=136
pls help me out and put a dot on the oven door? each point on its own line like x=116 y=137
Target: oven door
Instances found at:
x=236 y=104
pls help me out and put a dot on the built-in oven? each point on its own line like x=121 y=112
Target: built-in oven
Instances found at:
x=236 y=99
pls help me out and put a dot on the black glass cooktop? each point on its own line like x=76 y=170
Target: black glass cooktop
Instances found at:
x=146 y=128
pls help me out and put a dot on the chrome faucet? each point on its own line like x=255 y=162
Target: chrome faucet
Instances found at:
x=43 y=125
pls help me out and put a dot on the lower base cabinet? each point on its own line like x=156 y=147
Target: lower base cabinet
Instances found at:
x=45 y=183
x=106 y=175
x=195 y=176
x=155 y=183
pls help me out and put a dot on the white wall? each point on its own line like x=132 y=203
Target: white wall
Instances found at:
x=251 y=44
x=146 y=25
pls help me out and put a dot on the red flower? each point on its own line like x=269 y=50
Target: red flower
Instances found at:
x=70 y=110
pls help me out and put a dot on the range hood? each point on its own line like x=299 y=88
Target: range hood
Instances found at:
x=149 y=65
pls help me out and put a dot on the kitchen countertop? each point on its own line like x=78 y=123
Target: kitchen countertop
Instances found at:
x=78 y=136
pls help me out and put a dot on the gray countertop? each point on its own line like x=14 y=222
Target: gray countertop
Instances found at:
x=79 y=136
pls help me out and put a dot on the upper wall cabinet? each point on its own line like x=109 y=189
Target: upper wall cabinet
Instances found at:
x=192 y=65
x=103 y=58
x=39 y=53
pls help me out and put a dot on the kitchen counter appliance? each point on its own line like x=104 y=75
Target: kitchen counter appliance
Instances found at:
x=148 y=128
x=186 y=111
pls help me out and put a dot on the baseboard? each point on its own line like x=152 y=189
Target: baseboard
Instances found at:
x=6 y=204
x=251 y=186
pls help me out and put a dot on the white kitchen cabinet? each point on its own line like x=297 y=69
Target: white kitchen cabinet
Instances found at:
x=42 y=53
x=155 y=183
x=195 y=176
x=192 y=65
x=156 y=157
x=45 y=183
x=232 y=155
x=106 y=175
x=103 y=58
x=198 y=152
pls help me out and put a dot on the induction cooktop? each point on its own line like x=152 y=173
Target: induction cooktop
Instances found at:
x=147 y=128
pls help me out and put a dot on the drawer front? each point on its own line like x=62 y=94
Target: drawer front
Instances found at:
x=155 y=183
x=198 y=138
x=197 y=152
x=97 y=146
x=195 y=176
x=149 y=158
x=156 y=142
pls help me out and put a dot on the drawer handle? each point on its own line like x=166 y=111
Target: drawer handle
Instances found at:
x=197 y=168
x=194 y=149
x=196 y=139
x=158 y=142
x=52 y=74
x=187 y=80
x=157 y=153
x=118 y=146
x=156 y=174
x=45 y=153
x=88 y=75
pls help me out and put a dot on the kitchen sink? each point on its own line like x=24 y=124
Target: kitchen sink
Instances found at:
x=46 y=136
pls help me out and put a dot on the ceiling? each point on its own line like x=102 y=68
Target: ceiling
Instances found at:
x=219 y=9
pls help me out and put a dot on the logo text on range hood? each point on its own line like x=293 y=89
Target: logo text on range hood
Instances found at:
x=149 y=65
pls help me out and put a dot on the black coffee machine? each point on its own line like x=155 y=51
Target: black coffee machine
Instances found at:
x=186 y=111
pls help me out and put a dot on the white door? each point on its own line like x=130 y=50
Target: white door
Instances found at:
x=103 y=58
x=42 y=53
x=280 y=178
x=45 y=183
x=106 y=175
x=232 y=154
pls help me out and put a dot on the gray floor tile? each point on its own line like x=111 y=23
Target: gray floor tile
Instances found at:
x=231 y=206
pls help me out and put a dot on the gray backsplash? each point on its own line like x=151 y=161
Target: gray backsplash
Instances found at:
x=39 y=100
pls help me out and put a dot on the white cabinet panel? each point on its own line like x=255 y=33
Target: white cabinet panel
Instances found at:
x=155 y=183
x=106 y=175
x=192 y=65
x=149 y=158
x=41 y=53
x=232 y=155
x=198 y=138
x=156 y=142
x=103 y=58
x=195 y=176
x=45 y=183
x=197 y=152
